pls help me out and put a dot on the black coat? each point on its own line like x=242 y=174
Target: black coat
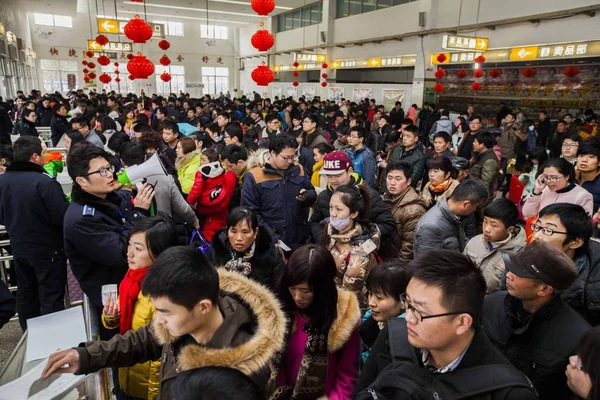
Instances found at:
x=95 y=237
x=44 y=116
x=28 y=129
x=584 y=293
x=380 y=212
x=32 y=207
x=542 y=346
x=58 y=127
x=7 y=304
x=479 y=352
x=6 y=125
x=267 y=262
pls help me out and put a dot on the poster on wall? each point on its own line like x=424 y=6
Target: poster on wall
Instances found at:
x=389 y=97
x=290 y=91
x=71 y=81
x=276 y=91
x=361 y=94
x=335 y=93
x=309 y=92
x=91 y=83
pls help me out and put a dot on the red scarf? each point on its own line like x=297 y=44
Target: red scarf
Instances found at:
x=129 y=290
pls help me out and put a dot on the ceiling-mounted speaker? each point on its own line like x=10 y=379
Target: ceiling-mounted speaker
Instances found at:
x=422 y=19
x=323 y=37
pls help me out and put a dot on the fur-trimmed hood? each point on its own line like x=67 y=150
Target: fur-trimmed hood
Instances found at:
x=348 y=315
x=243 y=298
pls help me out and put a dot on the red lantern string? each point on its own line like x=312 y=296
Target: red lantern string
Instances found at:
x=571 y=72
x=103 y=60
x=262 y=75
x=461 y=74
x=441 y=58
x=295 y=83
x=529 y=72
x=480 y=60
x=263 y=7
x=105 y=78
x=101 y=40
x=478 y=73
x=440 y=73
x=324 y=84
x=138 y=30
x=164 y=44
x=495 y=73
x=438 y=88
x=262 y=40
x=476 y=86
x=164 y=60
x=140 y=67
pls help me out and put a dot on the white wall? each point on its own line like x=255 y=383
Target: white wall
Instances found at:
x=377 y=90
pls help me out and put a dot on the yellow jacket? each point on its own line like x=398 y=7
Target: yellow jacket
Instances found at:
x=141 y=380
x=186 y=170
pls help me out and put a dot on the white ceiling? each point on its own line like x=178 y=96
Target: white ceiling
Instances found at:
x=222 y=11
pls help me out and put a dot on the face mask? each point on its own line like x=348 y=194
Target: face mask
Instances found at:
x=531 y=128
x=339 y=224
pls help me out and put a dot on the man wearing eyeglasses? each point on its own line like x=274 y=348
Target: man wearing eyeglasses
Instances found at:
x=97 y=223
x=32 y=207
x=441 y=334
x=530 y=324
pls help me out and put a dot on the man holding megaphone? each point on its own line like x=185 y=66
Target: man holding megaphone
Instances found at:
x=97 y=224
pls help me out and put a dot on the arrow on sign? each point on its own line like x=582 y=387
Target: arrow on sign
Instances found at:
x=94 y=45
x=107 y=26
x=481 y=44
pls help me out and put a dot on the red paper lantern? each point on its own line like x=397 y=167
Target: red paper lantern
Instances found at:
x=85 y=71
x=138 y=30
x=116 y=64
x=101 y=40
x=84 y=62
x=438 y=88
x=441 y=58
x=571 y=72
x=140 y=67
x=92 y=75
x=324 y=84
x=129 y=56
x=117 y=71
x=262 y=75
x=117 y=79
x=86 y=79
x=296 y=73
x=296 y=64
x=461 y=74
x=480 y=59
x=295 y=83
x=440 y=73
x=103 y=60
x=165 y=77
x=91 y=65
x=105 y=78
x=263 y=7
x=131 y=77
x=495 y=73
x=324 y=65
x=324 y=76
x=476 y=86
x=478 y=73
x=262 y=40
x=137 y=1
x=529 y=72
x=89 y=54
x=164 y=60
x=164 y=44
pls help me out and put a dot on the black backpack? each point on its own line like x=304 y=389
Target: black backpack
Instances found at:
x=405 y=379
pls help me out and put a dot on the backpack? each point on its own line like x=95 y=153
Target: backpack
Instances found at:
x=405 y=379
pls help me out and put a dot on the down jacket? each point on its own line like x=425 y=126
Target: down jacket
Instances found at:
x=141 y=380
x=407 y=209
x=211 y=197
x=187 y=166
x=380 y=213
x=252 y=332
x=415 y=158
x=485 y=169
x=439 y=229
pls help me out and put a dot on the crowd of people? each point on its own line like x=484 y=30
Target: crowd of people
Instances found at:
x=310 y=249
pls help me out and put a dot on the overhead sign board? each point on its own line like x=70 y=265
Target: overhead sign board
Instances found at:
x=106 y=25
x=456 y=42
x=525 y=53
x=110 y=46
x=376 y=62
x=302 y=57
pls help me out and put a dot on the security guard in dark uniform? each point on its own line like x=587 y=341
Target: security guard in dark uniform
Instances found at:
x=32 y=207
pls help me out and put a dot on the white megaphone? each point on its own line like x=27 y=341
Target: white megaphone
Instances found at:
x=137 y=174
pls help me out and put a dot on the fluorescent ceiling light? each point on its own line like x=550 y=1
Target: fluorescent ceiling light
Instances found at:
x=181 y=17
x=193 y=9
x=243 y=3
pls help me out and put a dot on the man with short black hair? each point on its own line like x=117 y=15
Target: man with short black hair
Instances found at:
x=83 y=126
x=27 y=124
x=280 y=194
x=397 y=115
x=465 y=147
x=485 y=167
x=530 y=324
x=544 y=127
x=32 y=207
x=441 y=338
x=159 y=117
x=588 y=168
x=410 y=153
x=442 y=227
x=44 y=113
x=59 y=124
x=234 y=135
x=363 y=159
x=204 y=317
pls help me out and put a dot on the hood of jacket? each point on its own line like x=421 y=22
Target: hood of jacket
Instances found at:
x=348 y=315
x=256 y=304
x=187 y=159
x=355 y=180
x=355 y=236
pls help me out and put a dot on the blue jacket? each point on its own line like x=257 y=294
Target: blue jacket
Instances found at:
x=95 y=233
x=364 y=164
x=593 y=187
x=273 y=198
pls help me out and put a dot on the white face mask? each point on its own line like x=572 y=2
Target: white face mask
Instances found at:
x=339 y=224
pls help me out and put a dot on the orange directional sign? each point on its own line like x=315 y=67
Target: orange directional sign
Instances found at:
x=374 y=62
x=106 y=25
x=456 y=42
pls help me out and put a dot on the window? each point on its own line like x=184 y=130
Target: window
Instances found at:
x=55 y=74
x=354 y=7
x=215 y=80
x=177 y=83
x=301 y=17
x=213 y=32
x=125 y=86
x=172 y=28
x=53 y=20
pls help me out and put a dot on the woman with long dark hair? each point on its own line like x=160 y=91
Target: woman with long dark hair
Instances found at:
x=322 y=349
x=583 y=371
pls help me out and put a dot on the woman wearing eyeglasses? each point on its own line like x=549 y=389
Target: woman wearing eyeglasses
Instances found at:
x=556 y=184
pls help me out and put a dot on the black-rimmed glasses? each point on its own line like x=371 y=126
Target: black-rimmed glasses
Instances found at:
x=103 y=172
x=407 y=306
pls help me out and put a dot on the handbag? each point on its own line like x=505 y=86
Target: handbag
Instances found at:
x=199 y=242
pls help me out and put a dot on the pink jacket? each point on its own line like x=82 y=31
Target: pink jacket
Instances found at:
x=575 y=195
x=412 y=114
x=344 y=350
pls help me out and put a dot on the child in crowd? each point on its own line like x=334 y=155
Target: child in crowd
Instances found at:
x=500 y=233
x=385 y=284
